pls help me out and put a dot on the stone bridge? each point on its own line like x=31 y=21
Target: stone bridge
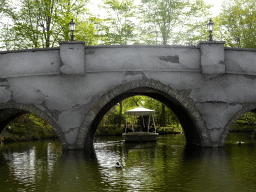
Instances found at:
x=72 y=86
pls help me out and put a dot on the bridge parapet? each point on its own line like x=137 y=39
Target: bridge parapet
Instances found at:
x=29 y=62
x=74 y=58
x=240 y=61
x=142 y=58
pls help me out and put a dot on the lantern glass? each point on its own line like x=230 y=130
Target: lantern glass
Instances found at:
x=210 y=25
x=72 y=25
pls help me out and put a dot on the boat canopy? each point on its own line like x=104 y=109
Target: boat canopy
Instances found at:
x=140 y=111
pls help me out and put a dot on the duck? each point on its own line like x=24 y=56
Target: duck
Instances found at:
x=240 y=142
x=118 y=165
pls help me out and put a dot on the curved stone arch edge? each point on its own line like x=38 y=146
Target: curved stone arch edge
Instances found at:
x=41 y=114
x=181 y=96
x=232 y=121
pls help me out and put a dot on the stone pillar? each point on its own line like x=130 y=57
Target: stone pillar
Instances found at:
x=212 y=57
x=72 y=57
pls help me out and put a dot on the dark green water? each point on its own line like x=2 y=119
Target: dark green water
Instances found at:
x=167 y=165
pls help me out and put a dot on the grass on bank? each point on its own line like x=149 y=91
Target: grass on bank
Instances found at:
x=242 y=128
x=27 y=127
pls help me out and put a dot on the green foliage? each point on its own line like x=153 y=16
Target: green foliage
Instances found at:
x=40 y=23
x=86 y=31
x=248 y=119
x=27 y=127
x=245 y=123
x=172 y=22
x=118 y=26
x=168 y=130
x=43 y=23
x=112 y=117
x=115 y=119
x=110 y=130
x=237 y=23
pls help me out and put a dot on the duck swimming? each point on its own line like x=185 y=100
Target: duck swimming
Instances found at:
x=239 y=142
x=118 y=165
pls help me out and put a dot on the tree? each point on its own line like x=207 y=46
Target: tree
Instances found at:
x=120 y=113
x=68 y=9
x=237 y=23
x=195 y=29
x=163 y=116
x=41 y=23
x=86 y=31
x=2 y=7
x=7 y=37
x=168 y=21
x=118 y=26
x=247 y=119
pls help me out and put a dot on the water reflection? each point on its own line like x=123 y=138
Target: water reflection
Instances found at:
x=26 y=164
x=211 y=170
x=168 y=165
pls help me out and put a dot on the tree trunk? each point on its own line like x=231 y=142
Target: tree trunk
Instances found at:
x=163 y=119
x=120 y=113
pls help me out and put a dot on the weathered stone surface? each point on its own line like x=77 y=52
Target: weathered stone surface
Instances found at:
x=212 y=57
x=24 y=92
x=135 y=58
x=5 y=95
x=71 y=136
x=172 y=59
x=215 y=135
x=71 y=118
x=240 y=61
x=217 y=114
x=72 y=58
x=30 y=63
x=227 y=89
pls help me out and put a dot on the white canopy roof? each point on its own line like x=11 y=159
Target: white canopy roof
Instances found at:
x=140 y=111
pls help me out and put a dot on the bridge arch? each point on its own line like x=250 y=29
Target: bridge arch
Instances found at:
x=10 y=111
x=233 y=120
x=177 y=100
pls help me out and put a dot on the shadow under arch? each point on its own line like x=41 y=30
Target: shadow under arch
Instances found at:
x=10 y=111
x=232 y=121
x=177 y=100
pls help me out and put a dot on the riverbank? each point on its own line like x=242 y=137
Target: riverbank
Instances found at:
x=26 y=128
x=19 y=132
x=26 y=132
x=117 y=131
x=242 y=128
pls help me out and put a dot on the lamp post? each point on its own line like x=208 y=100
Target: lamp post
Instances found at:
x=210 y=29
x=72 y=28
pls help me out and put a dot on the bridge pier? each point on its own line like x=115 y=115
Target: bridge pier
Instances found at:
x=217 y=115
